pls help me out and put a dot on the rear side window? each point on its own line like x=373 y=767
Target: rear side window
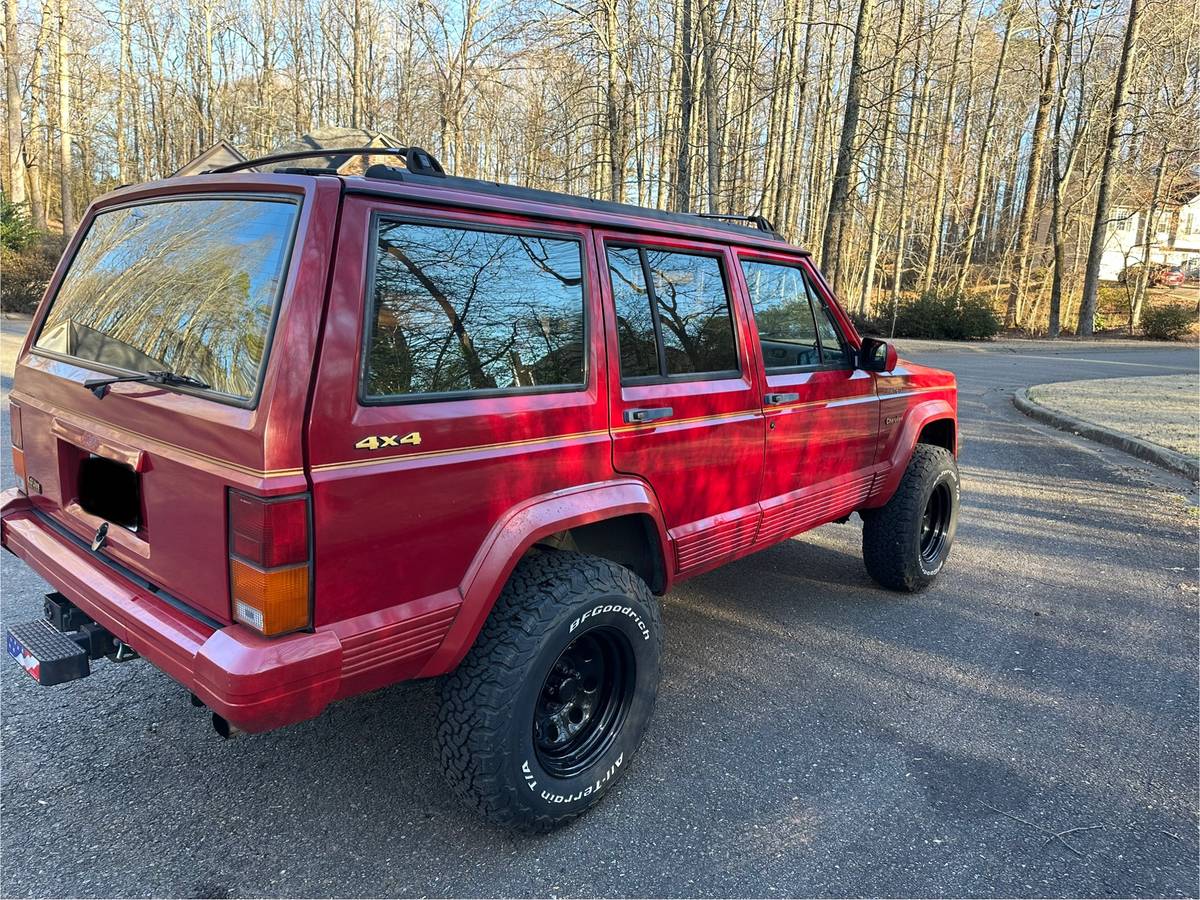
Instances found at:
x=673 y=313
x=455 y=310
x=795 y=328
x=188 y=286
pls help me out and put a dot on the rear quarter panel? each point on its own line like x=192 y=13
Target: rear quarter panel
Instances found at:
x=397 y=530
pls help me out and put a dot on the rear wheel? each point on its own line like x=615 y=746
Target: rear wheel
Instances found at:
x=906 y=542
x=547 y=709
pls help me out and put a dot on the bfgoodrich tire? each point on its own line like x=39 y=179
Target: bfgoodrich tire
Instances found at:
x=547 y=709
x=906 y=542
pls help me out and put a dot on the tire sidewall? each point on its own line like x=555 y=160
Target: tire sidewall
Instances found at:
x=945 y=473
x=547 y=794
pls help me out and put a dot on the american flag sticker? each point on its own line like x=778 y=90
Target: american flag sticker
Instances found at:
x=24 y=657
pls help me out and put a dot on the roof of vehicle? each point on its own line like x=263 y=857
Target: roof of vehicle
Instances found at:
x=476 y=193
x=423 y=171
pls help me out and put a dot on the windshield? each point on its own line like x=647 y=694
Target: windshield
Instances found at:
x=183 y=285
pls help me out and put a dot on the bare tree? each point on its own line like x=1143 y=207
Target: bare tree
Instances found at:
x=1091 y=282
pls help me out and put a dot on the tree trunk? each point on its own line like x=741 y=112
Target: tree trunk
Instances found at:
x=38 y=128
x=847 y=159
x=916 y=134
x=885 y=161
x=1147 y=240
x=1091 y=278
x=712 y=123
x=1033 y=176
x=933 y=242
x=612 y=116
x=64 y=118
x=122 y=51
x=682 y=199
x=12 y=86
x=985 y=159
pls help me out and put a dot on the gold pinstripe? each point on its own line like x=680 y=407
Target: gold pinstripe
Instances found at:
x=429 y=454
x=196 y=454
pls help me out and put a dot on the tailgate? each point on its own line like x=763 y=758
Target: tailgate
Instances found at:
x=215 y=286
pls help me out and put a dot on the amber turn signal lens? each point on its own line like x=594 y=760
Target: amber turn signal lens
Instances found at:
x=19 y=469
x=272 y=601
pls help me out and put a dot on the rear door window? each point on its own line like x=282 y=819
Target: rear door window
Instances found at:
x=461 y=311
x=673 y=313
x=186 y=285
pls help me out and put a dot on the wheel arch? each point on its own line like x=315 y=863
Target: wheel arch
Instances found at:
x=606 y=519
x=930 y=422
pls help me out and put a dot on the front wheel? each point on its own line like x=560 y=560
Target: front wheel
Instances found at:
x=546 y=711
x=906 y=541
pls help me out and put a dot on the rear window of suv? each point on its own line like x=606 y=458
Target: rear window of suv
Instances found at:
x=188 y=286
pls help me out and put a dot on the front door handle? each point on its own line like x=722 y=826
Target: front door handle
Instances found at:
x=636 y=416
x=776 y=399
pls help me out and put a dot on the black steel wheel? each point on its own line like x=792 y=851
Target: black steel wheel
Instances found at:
x=935 y=523
x=547 y=710
x=907 y=540
x=583 y=701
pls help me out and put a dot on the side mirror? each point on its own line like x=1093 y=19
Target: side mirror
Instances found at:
x=877 y=355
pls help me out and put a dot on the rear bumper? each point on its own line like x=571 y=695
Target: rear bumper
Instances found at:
x=254 y=682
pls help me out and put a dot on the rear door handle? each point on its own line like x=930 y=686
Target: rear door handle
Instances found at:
x=776 y=399
x=635 y=416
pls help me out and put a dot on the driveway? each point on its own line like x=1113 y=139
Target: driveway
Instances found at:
x=814 y=735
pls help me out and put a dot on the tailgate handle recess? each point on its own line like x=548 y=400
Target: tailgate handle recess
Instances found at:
x=114 y=450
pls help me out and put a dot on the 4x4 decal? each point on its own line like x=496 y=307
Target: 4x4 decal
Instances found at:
x=379 y=441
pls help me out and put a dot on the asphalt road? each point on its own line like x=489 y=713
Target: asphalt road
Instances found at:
x=814 y=735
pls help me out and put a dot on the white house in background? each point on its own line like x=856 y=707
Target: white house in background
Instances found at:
x=1174 y=239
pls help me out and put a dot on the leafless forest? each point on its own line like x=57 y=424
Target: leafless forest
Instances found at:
x=958 y=147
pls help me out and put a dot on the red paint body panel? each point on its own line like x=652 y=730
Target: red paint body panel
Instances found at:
x=412 y=544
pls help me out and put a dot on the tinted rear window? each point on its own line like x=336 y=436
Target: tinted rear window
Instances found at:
x=186 y=286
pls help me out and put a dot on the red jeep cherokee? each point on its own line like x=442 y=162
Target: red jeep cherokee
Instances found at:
x=293 y=436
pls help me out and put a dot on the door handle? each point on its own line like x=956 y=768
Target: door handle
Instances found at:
x=635 y=416
x=776 y=399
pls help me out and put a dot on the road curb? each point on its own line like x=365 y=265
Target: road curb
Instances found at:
x=1172 y=460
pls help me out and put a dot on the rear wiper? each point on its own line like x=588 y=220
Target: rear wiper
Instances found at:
x=99 y=386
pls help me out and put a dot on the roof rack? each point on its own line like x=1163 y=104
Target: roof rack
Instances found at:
x=416 y=160
x=762 y=223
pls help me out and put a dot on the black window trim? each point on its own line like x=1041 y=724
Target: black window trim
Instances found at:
x=846 y=364
x=365 y=399
x=663 y=377
x=296 y=199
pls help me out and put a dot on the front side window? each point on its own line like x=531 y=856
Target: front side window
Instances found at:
x=187 y=286
x=795 y=327
x=456 y=310
x=673 y=313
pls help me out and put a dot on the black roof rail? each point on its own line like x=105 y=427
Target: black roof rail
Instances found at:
x=762 y=223
x=418 y=161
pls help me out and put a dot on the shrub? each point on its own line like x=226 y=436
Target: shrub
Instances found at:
x=1168 y=323
x=27 y=271
x=947 y=318
x=16 y=232
x=880 y=325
